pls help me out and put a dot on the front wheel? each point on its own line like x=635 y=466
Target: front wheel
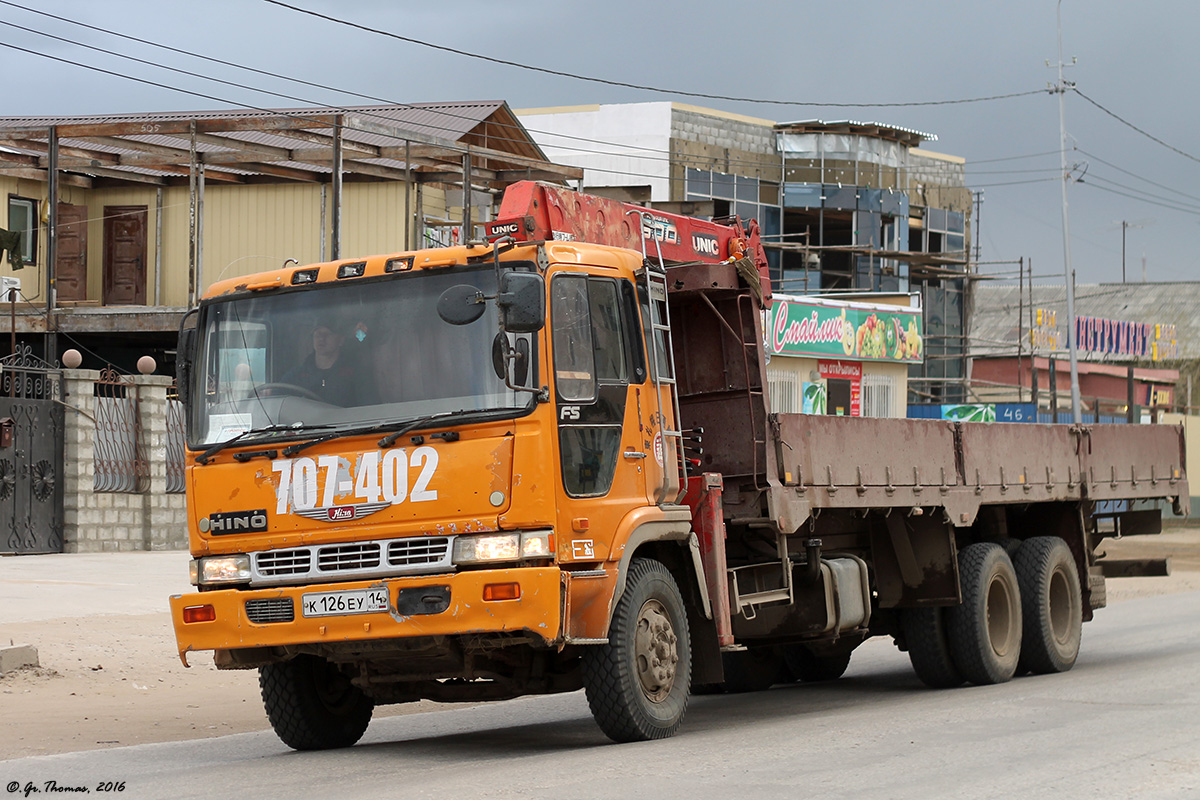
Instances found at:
x=312 y=705
x=637 y=684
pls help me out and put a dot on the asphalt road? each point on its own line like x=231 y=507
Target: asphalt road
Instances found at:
x=1124 y=723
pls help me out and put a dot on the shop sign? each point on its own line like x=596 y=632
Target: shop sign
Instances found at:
x=1146 y=340
x=843 y=371
x=807 y=327
x=1121 y=337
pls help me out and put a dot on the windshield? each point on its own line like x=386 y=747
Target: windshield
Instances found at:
x=349 y=354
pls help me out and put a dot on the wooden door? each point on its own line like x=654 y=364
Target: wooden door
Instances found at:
x=124 y=255
x=70 y=267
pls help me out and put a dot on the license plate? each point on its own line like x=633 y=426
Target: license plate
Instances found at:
x=353 y=601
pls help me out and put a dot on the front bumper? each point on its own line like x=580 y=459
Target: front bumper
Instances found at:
x=537 y=610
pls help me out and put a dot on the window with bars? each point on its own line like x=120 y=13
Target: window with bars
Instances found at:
x=881 y=396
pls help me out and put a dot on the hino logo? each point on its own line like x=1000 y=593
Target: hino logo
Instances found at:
x=347 y=513
x=238 y=522
x=705 y=244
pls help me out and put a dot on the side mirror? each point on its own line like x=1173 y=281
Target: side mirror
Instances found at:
x=461 y=304
x=522 y=302
x=185 y=355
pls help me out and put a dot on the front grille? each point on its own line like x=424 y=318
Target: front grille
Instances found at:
x=406 y=552
x=348 y=556
x=284 y=562
x=275 y=609
x=380 y=558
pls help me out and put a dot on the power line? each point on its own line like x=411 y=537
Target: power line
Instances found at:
x=301 y=81
x=1014 y=183
x=1144 y=200
x=1139 y=177
x=1178 y=204
x=641 y=87
x=1118 y=118
x=1010 y=171
x=660 y=155
x=1012 y=158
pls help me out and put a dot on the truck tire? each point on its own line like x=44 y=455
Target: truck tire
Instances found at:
x=312 y=705
x=755 y=669
x=928 y=650
x=810 y=667
x=1051 y=605
x=984 y=631
x=637 y=684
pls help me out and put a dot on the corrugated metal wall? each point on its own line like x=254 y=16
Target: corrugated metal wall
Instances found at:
x=247 y=228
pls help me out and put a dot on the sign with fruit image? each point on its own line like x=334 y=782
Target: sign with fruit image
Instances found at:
x=864 y=331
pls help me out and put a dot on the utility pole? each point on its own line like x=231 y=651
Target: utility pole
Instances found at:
x=977 y=196
x=1060 y=89
x=1125 y=225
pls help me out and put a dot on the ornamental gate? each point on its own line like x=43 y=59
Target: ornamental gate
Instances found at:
x=31 y=455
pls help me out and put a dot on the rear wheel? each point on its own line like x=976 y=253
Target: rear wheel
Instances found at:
x=637 y=684
x=811 y=667
x=1051 y=605
x=312 y=705
x=984 y=632
x=928 y=650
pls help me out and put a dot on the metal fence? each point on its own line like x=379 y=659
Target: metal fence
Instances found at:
x=119 y=454
x=176 y=451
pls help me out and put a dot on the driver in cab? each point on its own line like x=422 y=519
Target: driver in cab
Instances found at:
x=327 y=372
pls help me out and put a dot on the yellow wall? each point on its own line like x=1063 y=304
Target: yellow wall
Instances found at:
x=247 y=228
x=32 y=278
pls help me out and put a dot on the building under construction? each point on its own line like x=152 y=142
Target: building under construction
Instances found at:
x=844 y=206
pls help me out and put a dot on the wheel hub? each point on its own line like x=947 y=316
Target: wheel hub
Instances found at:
x=656 y=651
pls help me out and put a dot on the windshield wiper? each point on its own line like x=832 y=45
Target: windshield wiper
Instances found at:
x=204 y=457
x=397 y=429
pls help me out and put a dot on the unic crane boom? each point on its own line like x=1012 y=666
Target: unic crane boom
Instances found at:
x=533 y=211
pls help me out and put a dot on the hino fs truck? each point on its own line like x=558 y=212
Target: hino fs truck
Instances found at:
x=548 y=461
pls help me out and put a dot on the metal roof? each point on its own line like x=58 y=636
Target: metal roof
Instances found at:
x=994 y=329
x=909 y=136
x=236 y=145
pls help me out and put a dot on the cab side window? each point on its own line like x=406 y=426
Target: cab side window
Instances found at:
x=592 y=360
x=574 y=362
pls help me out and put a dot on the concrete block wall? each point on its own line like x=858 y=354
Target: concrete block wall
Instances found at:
x=95 y=522
x=724 y=131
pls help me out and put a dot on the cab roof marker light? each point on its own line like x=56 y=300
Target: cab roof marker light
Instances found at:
x=353 y=270
x=399 y=264
x=269 y=283
x=303 y=276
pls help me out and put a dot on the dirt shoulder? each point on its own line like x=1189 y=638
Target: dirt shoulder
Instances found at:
x=110 y=676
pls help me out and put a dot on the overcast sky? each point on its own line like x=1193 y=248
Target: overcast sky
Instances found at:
x=1141 y=61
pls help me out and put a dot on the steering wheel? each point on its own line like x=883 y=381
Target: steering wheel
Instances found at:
x=288 y=389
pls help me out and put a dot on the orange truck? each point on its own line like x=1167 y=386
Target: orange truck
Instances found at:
x=548 y=461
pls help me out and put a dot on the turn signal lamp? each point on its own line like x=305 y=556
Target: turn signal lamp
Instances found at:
x=501 y=591
x=199 y=614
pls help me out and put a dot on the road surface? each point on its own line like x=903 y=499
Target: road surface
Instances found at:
x=1124 y=723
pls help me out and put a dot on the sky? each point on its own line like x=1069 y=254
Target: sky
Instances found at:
x=1135 y=66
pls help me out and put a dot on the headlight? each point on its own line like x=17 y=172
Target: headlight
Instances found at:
x=221 y=569
x=503 y=547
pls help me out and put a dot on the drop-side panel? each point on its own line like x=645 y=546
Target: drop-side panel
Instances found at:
x=855 y=461
x=1010 y=462
x=1131 y=461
